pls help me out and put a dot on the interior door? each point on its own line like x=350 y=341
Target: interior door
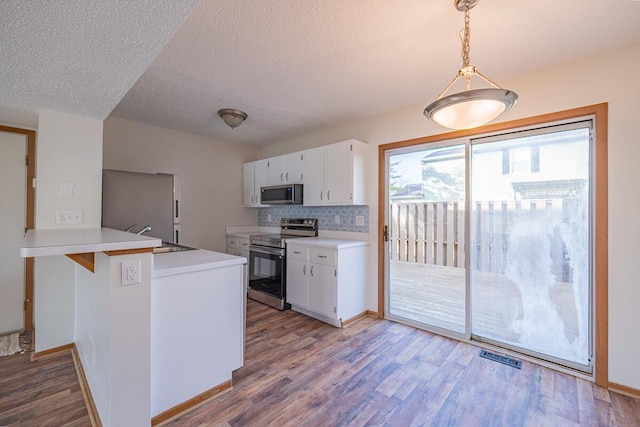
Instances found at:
x=13 y=151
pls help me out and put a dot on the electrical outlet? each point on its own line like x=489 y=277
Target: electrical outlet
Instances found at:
x=131 y=272
x=337 y=219
x=360 y=220
x=68 y=217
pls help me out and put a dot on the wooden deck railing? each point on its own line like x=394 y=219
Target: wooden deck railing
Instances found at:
x=434 y=232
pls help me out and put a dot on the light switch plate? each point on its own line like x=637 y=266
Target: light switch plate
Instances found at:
x=360 y=220
x=66 y=189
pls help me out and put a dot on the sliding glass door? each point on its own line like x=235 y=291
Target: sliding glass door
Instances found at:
x=426 y=258
x=490 y=239
x=530 y=235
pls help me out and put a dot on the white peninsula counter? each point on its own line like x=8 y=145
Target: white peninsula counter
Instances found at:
x=154 y=348
x=198 y=304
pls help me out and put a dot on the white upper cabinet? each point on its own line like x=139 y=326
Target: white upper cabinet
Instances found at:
x=254 y=176
x=313 y=190
x=285 y=169
x=336 y=174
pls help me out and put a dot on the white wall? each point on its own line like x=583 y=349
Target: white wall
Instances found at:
x=598 y=79
x=210 y=173
x=113 y=338
x=68 y=149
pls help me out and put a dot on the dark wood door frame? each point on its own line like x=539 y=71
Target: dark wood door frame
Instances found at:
x=31 y=174
x=601 y=256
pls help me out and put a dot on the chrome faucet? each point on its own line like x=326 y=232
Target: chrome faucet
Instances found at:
x=144 y=230
x=128 y=229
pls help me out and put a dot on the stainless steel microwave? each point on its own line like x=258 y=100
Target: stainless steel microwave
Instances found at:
x=290 y=194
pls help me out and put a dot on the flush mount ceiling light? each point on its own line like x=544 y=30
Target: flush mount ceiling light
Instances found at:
x=233 y=118
x=470 y=108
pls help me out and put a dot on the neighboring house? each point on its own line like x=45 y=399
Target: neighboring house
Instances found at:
x=549 y=168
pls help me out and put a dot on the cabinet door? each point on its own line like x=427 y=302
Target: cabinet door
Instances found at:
x=323 y=290
x=276 y=172
x=248 y=184
x=243 y=244
x=339 y=176
x=293 y=168
x=314 y=176
x=297 y=283
x=261 y=179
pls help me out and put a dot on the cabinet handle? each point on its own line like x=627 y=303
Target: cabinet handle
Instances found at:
x=321 y=196
x=329 y=195
x=296 y=252
x=304 y=269
x=312 y=271
x=322 y=256
x=287 y=176
x=281 y=177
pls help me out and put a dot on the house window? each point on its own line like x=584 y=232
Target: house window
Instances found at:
x=520 y=160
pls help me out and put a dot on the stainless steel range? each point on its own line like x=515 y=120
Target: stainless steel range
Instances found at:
x=267 y=261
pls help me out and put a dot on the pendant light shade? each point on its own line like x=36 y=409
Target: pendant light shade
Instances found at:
x=233 y=118
x=469 y=108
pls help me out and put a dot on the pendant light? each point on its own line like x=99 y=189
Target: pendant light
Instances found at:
x=233 y=118
x=470 y=108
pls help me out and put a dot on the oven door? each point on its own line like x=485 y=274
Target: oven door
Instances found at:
x=266 y=271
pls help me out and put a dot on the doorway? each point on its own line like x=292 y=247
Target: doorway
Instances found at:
x=488 y=235
x=17 y=157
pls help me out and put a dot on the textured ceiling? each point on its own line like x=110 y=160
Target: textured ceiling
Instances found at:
x=79 y=56
x=295 y=66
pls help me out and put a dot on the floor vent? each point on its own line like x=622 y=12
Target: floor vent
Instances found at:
x=506 y=360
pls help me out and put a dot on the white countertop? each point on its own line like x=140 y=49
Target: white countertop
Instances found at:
x=245 y=234
x=327 y=242
x=80 y=240
x=249 y=230
x=170 y=263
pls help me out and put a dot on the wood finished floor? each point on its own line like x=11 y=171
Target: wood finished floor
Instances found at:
x=302 y=372
x=41 y=393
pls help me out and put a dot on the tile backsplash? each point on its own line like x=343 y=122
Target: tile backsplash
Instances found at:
x=326 y=216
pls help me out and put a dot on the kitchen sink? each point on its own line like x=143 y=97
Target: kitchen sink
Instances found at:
x=172 y=247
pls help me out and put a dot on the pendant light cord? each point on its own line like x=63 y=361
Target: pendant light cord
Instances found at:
x=466 y=45
x=466 y=48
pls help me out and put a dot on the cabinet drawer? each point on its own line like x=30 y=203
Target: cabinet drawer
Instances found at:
x=243 y=244
x=323 y=256
x=297 y=252
x=232 y=242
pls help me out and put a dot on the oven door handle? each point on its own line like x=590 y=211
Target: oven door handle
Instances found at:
x=269 y=251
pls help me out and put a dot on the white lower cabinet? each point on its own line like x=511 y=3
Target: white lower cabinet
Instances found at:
x=326 y=279
x=238 y=246
x=297 y=283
